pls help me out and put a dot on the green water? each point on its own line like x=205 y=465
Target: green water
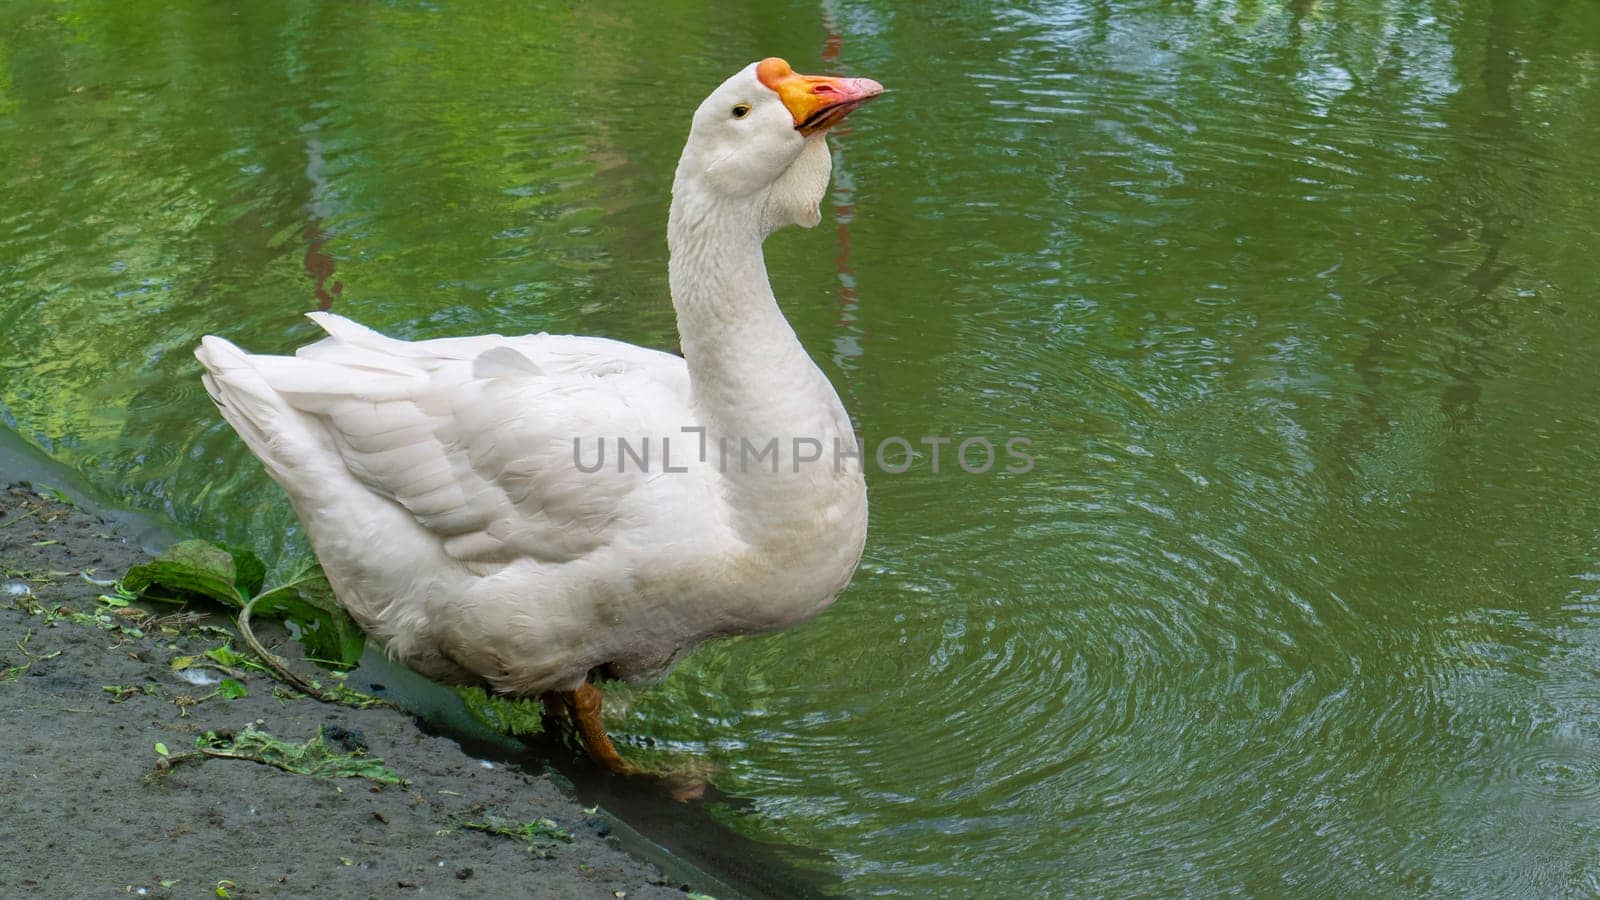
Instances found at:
x=1297 y=303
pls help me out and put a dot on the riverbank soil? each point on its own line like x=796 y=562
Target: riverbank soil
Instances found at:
x=98 y=699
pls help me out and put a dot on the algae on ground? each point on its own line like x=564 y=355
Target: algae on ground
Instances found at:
x=507 y=715
x=313 y=757
x=534 y=833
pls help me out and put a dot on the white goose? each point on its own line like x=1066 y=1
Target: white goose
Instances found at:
x=446 y=484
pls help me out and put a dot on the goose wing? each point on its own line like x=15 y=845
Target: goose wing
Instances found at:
x=475 y=437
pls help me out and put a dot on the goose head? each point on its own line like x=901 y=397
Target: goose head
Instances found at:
x=757 y=144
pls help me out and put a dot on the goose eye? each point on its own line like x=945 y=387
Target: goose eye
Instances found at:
x=741 y=111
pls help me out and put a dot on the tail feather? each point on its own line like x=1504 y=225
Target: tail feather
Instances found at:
x=344 y=332
x=273 y=430
x=348 y=341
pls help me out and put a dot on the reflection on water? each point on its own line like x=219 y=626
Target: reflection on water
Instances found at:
x=1295 y=300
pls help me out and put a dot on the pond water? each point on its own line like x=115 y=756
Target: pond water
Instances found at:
x=1296 y=303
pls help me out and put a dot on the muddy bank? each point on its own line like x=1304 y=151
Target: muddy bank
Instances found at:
x=88 y=690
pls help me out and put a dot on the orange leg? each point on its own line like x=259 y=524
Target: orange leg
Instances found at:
x=583 y=711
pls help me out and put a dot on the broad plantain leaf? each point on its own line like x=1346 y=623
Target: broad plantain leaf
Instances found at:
x=306 y=599
x=232 y=575
x=186 y=570
x=249 y=572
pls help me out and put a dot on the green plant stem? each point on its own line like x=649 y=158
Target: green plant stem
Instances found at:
x=281 y=669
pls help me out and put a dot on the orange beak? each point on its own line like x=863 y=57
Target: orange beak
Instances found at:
x=817 y=102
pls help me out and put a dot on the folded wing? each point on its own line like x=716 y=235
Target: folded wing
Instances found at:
x=476 y=437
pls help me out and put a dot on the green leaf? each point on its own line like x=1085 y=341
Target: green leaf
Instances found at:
x=186 y=570
x=249 y=572
x=326 y=630
x=232 y=575
x=233 y=689
x=161 y=748
x=225 y=655
x=53 y=493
